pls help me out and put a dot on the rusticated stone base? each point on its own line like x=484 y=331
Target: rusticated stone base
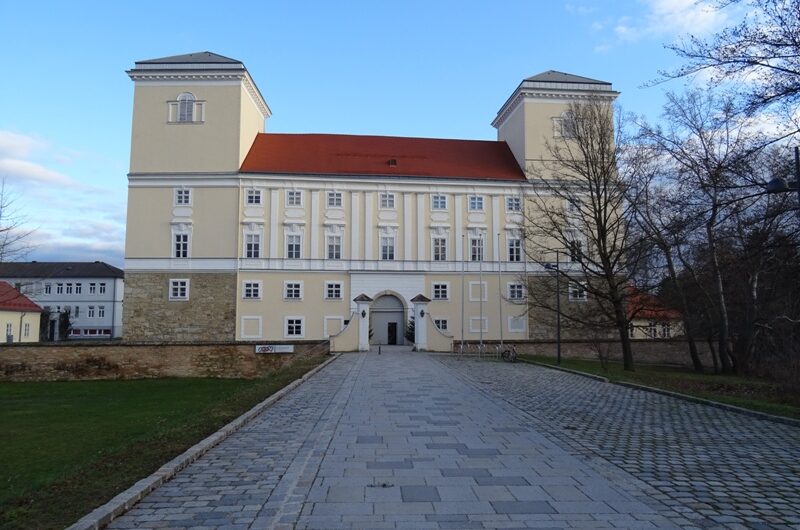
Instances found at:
x=208 y=315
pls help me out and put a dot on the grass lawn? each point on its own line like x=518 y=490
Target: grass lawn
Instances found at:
x=745 y=392
x=68 y=447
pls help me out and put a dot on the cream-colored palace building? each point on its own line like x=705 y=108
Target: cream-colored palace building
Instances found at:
x=234 y=233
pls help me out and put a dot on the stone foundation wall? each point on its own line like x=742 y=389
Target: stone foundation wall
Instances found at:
x=208 y=315
x=670 y=351
x=116 y=360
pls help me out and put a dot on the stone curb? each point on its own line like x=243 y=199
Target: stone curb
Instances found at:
x=569 y=371
x=124 y=501
x=677 y=395
x=717 y=404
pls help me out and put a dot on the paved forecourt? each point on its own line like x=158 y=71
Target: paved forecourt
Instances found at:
x=397 y=440
x=716 y=468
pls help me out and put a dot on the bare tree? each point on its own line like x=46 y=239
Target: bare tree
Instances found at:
x=579 y=211
x=13 y=234
x=762 y=52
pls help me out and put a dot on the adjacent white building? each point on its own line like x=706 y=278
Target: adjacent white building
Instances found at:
x=91 y=292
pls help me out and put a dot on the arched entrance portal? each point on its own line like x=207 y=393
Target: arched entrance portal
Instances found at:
x=387 y=320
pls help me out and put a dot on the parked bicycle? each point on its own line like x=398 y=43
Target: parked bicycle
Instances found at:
x=510 y=354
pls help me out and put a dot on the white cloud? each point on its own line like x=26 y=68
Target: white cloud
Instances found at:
x=25 y=171
x=576 y=9
x=16 y=145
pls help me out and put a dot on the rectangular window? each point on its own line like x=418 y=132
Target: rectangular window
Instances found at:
x=515 y=291
x=439 y=202
x=478 y=292
x=514 y=250
x=476 y=249
x=577 y=292
x=333 y=291
x=251 y=290
x=9 y=329
x=439 y=249
x=334 y=199
x=476 y=203
x=181 y=246
x=254 y=197
x=513 y=204
x=334 y=247
x=387 y=200
x=575 y=250
x=293 y=246
x=666 y=331
x=516 y=323
x=294 y=198
x=178 y=290
x=652 y=330
x=183 y=197
x=440 y=291
x=27 y=329
x=92 y=288
x=101 y=311
x=252 y=245
x=69 y=288
x=293 y=290
x=78 y=287
x=90 y=312
x=441 y=323
x=77 y=311
x=294 y=327
x=102 y=288
x=478 y=324
x=48 y=288
x=387 y=247
x=59 y=288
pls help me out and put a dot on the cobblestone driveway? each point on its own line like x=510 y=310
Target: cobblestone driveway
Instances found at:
x=719 y=468
x=406 y=440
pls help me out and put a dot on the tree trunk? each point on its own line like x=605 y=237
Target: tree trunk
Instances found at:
x=724 y=349
x=687 y=328
x=713 y=354
x=622 y=328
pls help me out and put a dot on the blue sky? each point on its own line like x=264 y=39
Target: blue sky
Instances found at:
x=412 y=68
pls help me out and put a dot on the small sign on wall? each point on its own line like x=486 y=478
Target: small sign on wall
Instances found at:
x=274 y=348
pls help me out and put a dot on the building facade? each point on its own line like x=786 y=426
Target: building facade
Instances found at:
x=234 y=233
x=90 y=292
x=19 y=316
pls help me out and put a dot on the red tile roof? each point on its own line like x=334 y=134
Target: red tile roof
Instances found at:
x=647 y=306
x=341 y=154
x=13 y=300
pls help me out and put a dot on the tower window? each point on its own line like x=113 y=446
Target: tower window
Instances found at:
x=186 y=109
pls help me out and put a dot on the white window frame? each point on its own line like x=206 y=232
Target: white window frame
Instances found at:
x=477 y=252
x=574 y=294
x=254 y=287
x=173 y=283
x=564 y=125
x=253 y=197
x=387 y=247
x=48 y=288
x=521 y=320
x=78 y=288
x=186 y=108
x=102 y=287
x=436 y=198
x=440 y=286
x=69 y=288
x=512 y=286
x=335 y=199
x=9 y=329
x=514 y=244
x=294 y=198
x=101 y=311
x=299 y=245
x=252 y=249
x=182 y=197
x=666 y=330
x=442 y=255
x=92 y=288
x=575 y=249
x=26 y=329
x=334 y=285
x=475 y=203
x=483 y=291
x=260 y=327
x=483 y=322
x=513 y=203
x=441 y=324
x=302 y=333
x=387 y=200
x=59 y=288
x=333 y=245
x=90 y=312
x=300 y=290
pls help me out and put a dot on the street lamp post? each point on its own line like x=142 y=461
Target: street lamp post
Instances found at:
x=779 y=185
x=558 y=305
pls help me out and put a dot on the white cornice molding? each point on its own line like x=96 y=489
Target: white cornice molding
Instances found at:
x=549 y=96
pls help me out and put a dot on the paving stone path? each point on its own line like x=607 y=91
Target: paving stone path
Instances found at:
x=406 y=440
x=719 y=469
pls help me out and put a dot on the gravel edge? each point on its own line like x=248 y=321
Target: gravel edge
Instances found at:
x=121 y=503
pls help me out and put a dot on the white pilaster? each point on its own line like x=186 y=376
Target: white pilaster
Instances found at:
x=273 y=224
x=369 y=226
x=314 y=237
x=355 y=237
x=459 y=228
x=422 y=231
x=495 y=228
x=407 y=227
x=421 y=320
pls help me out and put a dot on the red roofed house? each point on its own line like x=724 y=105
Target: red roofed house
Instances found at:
x=19 y=317
x=650 y=318
x=235 y=233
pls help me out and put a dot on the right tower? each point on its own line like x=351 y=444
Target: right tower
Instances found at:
x=537 y=112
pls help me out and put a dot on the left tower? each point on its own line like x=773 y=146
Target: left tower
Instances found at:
x=195 y=117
